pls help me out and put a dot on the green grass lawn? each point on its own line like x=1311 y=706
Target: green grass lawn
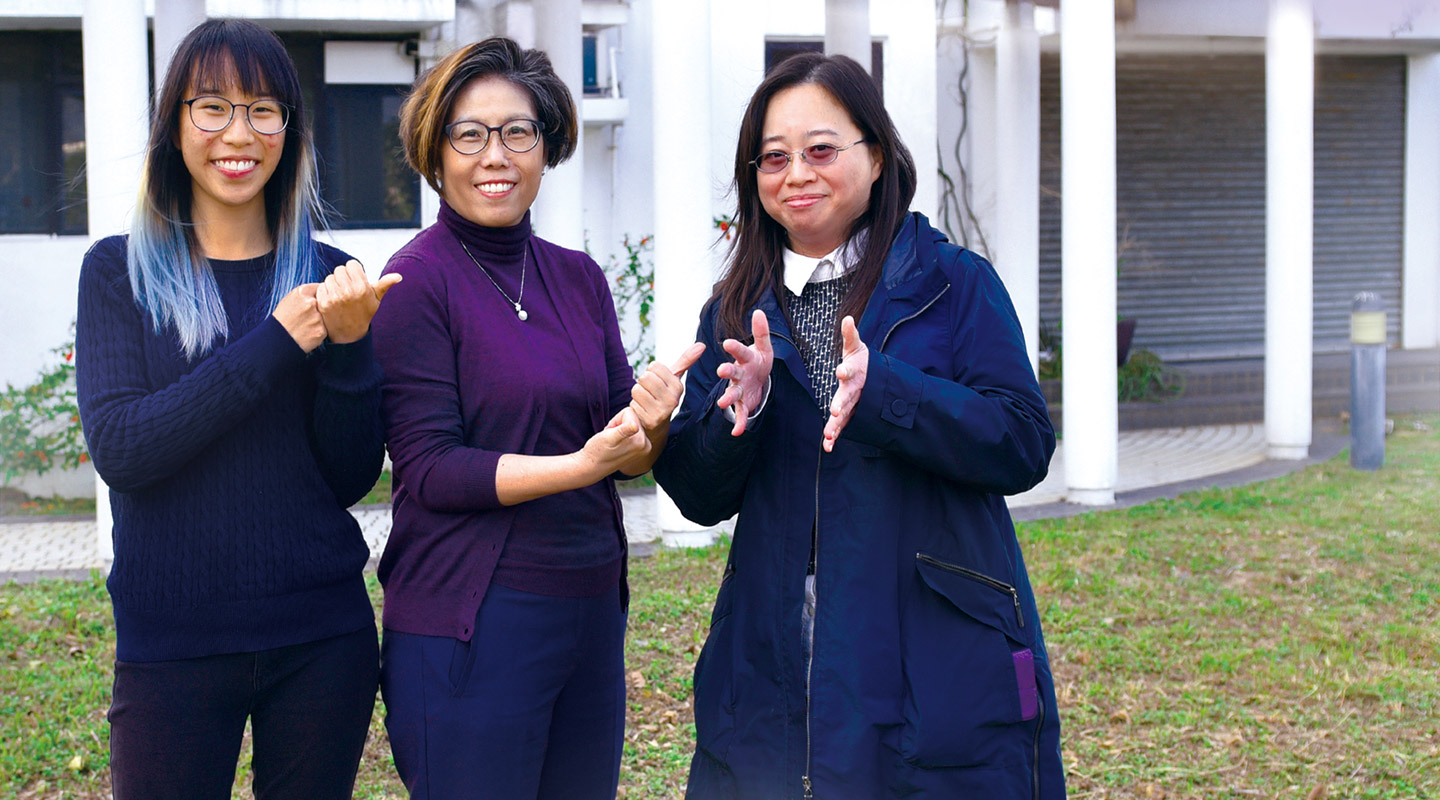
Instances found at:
x=1274 y=640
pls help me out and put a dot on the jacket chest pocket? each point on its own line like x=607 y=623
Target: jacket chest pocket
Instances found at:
x=969 y=670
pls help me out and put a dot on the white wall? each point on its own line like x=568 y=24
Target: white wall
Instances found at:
x=40 y=274
x=373 y=248
x=352 y=15
x=1348 y=19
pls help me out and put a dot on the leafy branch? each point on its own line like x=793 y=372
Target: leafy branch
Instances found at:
x=634 y=293
x=40 y=423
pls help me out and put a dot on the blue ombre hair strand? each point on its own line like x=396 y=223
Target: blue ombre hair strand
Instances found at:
x=169 y=275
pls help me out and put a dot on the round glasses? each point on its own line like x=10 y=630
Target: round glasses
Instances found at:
x=211 y=113
x=469 y=137
x=816 y=155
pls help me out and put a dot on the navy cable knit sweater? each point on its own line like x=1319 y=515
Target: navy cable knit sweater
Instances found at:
x=230 y=475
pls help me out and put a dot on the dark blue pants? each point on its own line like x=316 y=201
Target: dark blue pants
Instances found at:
x=533 y=706
x=176 y=726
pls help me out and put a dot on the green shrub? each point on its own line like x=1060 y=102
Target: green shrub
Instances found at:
x=40 y=423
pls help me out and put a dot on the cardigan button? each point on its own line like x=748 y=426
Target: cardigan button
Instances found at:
x=898 y=408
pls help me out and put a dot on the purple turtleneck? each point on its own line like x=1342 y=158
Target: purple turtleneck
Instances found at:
x=467 y=381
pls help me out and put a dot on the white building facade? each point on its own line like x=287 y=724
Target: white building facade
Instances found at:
x=1168 y=101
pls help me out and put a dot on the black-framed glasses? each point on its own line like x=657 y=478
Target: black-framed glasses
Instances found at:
x=212 y=113
x=469 y=137
x=816 y=155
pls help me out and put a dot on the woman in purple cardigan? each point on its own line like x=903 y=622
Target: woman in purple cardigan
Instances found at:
x=509 y=404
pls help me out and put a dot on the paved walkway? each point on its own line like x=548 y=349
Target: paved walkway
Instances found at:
x=1153 y=463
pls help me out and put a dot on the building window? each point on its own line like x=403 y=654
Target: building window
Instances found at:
x=363 y=174
x=779 y=50
x=42 y=133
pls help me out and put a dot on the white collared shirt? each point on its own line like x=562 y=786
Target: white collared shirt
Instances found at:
x=800 y=270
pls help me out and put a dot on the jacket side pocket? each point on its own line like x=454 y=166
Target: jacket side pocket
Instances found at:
x=969 y=670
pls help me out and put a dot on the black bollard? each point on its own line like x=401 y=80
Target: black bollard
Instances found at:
x=1367 y=382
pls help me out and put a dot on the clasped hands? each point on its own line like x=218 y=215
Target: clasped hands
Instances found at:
x=338 y=308
x=633 y=438
x=751 y=369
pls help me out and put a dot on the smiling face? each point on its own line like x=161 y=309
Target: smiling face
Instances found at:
x=494 y=187
x=815 y=205
x=228 y=168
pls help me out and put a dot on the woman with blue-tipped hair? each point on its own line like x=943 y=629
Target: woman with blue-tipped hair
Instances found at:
x=231 y=401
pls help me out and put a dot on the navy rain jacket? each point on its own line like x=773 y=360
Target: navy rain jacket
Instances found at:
x=929 y=676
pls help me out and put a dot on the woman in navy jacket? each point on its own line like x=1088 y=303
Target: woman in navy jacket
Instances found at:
x=875 y=634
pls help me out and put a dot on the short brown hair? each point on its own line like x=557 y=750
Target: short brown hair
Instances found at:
x=424 y=114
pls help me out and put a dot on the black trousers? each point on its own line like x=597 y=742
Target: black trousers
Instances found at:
x=176 y=726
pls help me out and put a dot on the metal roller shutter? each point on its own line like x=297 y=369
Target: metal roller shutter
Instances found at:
x=1190 y=176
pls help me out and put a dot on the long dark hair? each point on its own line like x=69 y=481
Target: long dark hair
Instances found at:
x=754 y=261
x=169 y=275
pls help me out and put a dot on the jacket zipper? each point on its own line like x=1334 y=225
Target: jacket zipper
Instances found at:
x=815 y=549
x=906 y=319
x=1039 y=724
x=810 y=662
x=978 y=577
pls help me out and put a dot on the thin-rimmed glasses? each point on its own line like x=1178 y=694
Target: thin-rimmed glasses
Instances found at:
x=211 y=113
x=816 y=155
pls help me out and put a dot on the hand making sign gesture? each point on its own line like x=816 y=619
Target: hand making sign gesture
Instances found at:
x=854 y=363
x=747 y=373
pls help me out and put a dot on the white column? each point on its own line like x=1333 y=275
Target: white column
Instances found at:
x=680 y=71
x=911 y=89
x=173 y=20
x=1289 y=227
x=1420 y=304
x=847 y=30
x=1087 y=249
x=559 y=209
x=1017 y=158
x=117 y=91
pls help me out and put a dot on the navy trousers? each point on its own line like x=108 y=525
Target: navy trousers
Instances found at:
x=176 y=726
x=533 y=706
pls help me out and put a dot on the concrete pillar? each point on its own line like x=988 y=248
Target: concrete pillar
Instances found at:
x=911 y=91
x=559 y=209
x=1289 y=227
x=847 y=30
x=680 y=71
x=1087 y=249
x=1420 y=303
x=117 y=93
x=1017 y=160
x=173 y=20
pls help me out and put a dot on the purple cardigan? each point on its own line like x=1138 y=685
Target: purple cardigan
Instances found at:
x=443 y=340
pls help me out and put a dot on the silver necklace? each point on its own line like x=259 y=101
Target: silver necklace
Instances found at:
x=525 y=259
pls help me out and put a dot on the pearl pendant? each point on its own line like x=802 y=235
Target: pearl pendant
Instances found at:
x=521 y=313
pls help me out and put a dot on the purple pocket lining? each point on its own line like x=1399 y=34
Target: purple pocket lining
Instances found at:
x=1025 y=678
